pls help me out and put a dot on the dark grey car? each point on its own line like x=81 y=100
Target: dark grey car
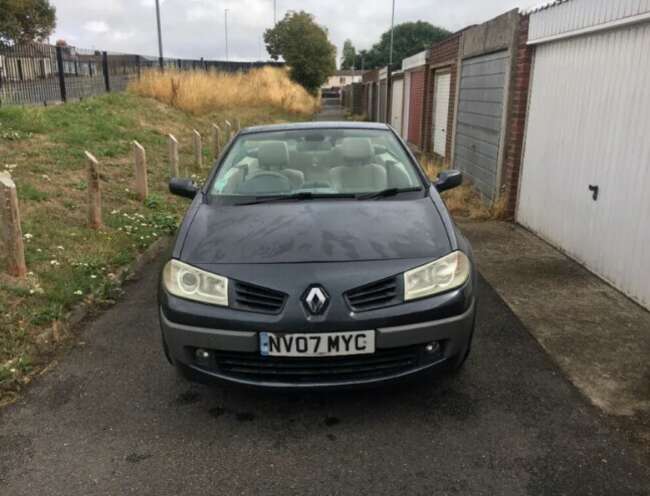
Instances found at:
x=317 y=255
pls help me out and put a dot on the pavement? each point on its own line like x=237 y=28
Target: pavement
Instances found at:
x=113 y=418
x=331 y=110
x=597 y=336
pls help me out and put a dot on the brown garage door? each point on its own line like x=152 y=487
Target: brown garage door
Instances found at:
x=416 y=106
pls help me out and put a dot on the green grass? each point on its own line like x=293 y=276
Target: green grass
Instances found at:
x=43 y=148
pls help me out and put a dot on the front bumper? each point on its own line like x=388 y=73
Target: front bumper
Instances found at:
x=400 y=352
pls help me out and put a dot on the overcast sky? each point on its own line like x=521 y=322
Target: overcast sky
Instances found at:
x=195 y=28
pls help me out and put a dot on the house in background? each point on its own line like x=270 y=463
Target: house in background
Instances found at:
x=343 y=78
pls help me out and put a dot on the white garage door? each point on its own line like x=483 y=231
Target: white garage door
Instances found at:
x=442 y=81
x=397 y=104
x=588 y=125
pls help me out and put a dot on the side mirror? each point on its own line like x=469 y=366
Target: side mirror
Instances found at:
x=183 y=187
x=448 y=179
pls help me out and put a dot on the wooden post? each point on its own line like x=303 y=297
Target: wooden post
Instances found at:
x=140 y=160
x=11 y=231
x=94 y=193
x=216 y=140
x=198 y=148
x=173 y=156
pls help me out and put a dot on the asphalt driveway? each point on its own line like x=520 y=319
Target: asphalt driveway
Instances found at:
x=113 y=418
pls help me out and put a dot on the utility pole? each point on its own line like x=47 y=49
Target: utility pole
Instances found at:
x=160 y=48
x=275 y=12
x=392 y=25
x=226 y=22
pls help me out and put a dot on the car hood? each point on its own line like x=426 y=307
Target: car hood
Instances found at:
x=316 y=231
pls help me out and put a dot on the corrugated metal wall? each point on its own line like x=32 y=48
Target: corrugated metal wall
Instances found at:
x=588 y=125
x=480 y=114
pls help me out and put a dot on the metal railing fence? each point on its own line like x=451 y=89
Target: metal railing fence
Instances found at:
x=42 y=74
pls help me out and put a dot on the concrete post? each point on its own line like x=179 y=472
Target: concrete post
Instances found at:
x=198 y=148
x=173 y=155
x=140 y=162
x=12 y=234
x=216 y=140
x=94 y=193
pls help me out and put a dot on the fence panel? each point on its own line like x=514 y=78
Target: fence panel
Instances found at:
x=29 y=75
x=83 y=73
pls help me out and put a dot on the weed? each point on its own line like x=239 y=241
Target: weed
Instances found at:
x=29 y=192
x=465 y=200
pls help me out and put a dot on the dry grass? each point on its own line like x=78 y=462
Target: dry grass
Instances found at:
x=465 y=201
x=200 y=92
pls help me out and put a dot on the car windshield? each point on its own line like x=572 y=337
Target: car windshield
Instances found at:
x=315 y=163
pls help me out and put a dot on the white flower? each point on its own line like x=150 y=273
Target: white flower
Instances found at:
x=60 y=247
x=93 y=276
x=31 y=291
x=28 y=236
x=39 y=250
x=78 y=292
x=55 y=263
x=115 y=212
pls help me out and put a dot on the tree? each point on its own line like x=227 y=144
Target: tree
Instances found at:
x=305 y=47
x=26 y=20
x=349 y=57
x=409 y=38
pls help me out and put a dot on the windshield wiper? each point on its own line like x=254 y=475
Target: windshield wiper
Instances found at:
x=386 y=192
x=304 y=195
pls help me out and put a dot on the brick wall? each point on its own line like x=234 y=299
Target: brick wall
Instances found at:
x=516 y=121
x=443 y=55
x=416 y=106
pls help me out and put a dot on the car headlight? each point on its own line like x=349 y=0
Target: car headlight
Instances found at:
x=188 y=282
x=448 y=272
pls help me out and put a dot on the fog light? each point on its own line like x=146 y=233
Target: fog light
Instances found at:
x=432 y=347
x=201 y=354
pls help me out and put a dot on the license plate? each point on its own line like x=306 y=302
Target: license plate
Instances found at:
x=317 y=344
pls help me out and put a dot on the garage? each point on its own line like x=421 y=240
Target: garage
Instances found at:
x=441 y=92
x=397 y=101
x=480 y=115
x=586 y=165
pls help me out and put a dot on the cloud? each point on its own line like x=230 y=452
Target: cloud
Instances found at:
x=195 y=28
x=96 y=26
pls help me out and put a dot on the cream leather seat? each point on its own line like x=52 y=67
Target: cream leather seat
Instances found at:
x=273 y=156
x=359 y=172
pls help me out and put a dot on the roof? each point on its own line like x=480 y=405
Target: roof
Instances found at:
x=298 y=126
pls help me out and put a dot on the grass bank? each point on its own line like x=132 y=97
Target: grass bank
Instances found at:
x=68 y=263
x=199 y=92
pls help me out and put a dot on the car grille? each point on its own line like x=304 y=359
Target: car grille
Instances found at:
x=378 y=294
x=257 y=299
x=254 y=367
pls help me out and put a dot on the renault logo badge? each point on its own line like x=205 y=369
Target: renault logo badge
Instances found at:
x=316 y=300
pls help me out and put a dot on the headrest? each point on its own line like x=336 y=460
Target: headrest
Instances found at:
x=273 y=155
x=357 y=150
